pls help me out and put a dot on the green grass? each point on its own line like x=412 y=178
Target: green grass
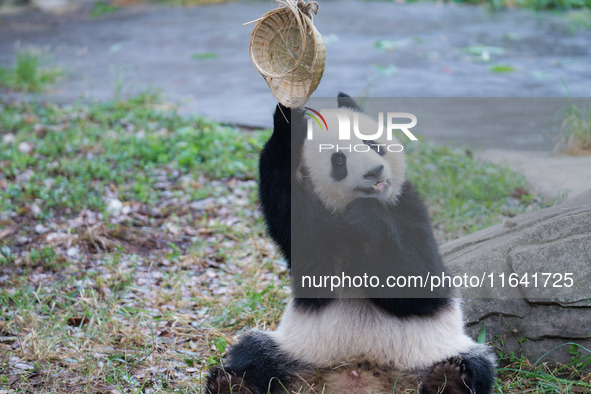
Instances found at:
x=580 y=20
x=465 y=195
x=576 y=131
x=101 y=8
x=30 y=73
x=77 y=152
x=554 y=4
x=132 y=251
x=205 y=56
x=502 y=68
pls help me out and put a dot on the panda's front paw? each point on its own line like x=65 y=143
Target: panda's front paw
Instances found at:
x=448 y=377
x=365 y=217
x=220 y=381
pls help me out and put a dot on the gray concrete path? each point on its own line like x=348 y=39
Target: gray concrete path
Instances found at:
x=198 y=57
x=549 y=175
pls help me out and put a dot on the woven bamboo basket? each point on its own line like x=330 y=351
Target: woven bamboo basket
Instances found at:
x=288 y=51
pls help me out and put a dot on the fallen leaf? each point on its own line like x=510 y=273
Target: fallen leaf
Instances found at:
x=204 y=56
x=78 y=321
x=6 y=232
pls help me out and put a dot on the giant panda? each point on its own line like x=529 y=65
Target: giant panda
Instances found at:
x=352 y=345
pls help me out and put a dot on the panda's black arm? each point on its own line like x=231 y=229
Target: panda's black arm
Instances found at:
x=276 y=168
x=402 y=244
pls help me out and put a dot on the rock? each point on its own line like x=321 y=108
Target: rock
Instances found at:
x=23 y=366
x=25 y=176
x=25 y=148
x=8 y=139
x=203 y=205
x=22 y=240
x=34 y=210
x=39 y=129
x=72 y=252
x=114 y=206
x=41 y=229
x=535 y=319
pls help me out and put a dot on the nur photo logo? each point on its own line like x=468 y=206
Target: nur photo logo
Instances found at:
x=351 y=126
x=315 y=115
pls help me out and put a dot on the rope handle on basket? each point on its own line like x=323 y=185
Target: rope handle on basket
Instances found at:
x=308 y=7
x=305 y=7
x=302 y=11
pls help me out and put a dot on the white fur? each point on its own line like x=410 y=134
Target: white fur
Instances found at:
x=350 y=330
x=337 y=194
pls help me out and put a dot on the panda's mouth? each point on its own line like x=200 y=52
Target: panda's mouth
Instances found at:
x=378 y=187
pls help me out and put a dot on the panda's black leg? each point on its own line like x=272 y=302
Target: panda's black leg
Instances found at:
x=255 y=365
x=468 y=373
x=222 y=381
x=447 y=377
x=482 y=368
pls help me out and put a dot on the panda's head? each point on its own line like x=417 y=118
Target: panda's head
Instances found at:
x=368 y=170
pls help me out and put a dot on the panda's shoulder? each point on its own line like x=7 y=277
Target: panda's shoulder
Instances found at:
x=409 y=196
x=410 y=205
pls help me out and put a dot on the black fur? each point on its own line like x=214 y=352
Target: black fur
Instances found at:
x=400 y=236
x=481 y=370
x=339 y=166
x=447 y=377
x=254 y=365
x=345 y=101
x=275 y=170
x=467 y=373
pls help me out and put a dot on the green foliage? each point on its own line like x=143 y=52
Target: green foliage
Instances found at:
x=78 y=151
x=482 y=334
x=521 y=377
x=580 y=361
x=204 y=56
x=254 y=306
x=220 y=344
x=465 y=195
x=101 y=8
x=576 y=130
x=6 y=255
x=45 y=257
x=580 y=20
x=554 y=4
x=28 y=74
x=502 y=68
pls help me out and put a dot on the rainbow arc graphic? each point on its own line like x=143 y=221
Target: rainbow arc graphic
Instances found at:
x=315 y=115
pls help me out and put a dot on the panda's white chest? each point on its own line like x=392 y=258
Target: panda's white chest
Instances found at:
x=351 y=330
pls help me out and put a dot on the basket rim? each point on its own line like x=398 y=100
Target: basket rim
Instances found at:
x=305 y=26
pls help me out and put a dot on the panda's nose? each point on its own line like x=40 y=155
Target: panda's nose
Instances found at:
x=374 y=173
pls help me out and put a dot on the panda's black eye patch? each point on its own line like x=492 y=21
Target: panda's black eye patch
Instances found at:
x=380 y=149
x=339 y=166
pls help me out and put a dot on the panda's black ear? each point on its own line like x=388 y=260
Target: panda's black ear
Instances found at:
x=345 y=101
